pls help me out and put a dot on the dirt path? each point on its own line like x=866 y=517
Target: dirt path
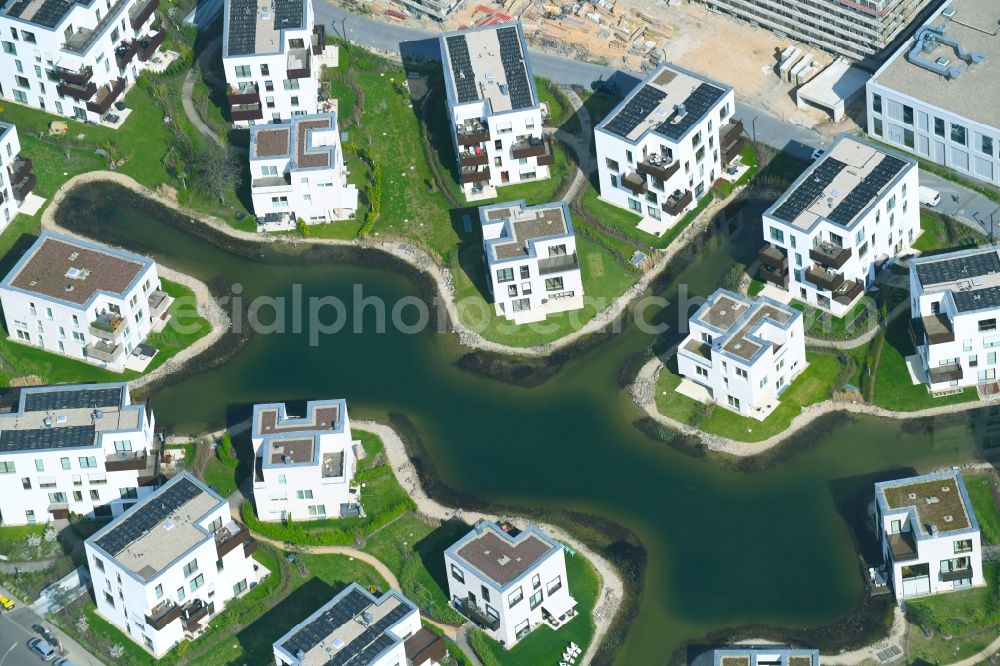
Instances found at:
x=187 y=94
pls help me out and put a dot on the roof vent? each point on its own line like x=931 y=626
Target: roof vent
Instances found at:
x=74 y=256
x=949 y=12
x=932 y=500
x=503 y=560
x=287 y=459
x=69 y=287
x=946 y=489
x=367 y=619
x=337 y=643
x=47 y=422
x=912 y=496
x=948 y=518
x=97 y=415
x=934 y=530
x=168 y=526
x=944 y=62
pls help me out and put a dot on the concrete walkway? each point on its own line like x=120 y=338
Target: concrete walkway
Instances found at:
x=187 y=91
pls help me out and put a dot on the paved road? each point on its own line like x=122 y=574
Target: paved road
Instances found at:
x=15 y=627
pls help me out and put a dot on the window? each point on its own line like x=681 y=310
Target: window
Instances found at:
x=777 y=235
x=877 y=103
x=28 y=36
x=553 y=585
x=30 y=516
x=123 y=446
x=39 y=465
x=26 y=483
x=243 y=71
x=535 y=600
x=77 y=496
x=110 y=600
x=505 y=275
x=303 y=494
x=8 y=47
x=7 y=467
x=612 y=164
x=958 y=134
x=553 y=284
x=95 y=495
x=190 y=567
x=987 y=325
x=99 y=562
x=939 y=126
x=158 y=591
x=485 y=591
x=635 y=205
x=536 y=582
x=265 y=70
x=239 y=587
x=628 y=156
x=317 y=510
x=515 y=597
x=128 y=493
x=877 y=126
x=908 y=138
x=457 y=574
x=908 y=114
x=963 y=546
x=741 y=373
x=521 y=630
x=525 y=272
x=57 y=498
x=986 y=145
x=180 y=594
x=197 y=582
x=88 y=461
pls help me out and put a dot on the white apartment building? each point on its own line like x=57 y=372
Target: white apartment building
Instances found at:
x=297 y=172
x=954 y=307
x=75 y=58
x=662 y=147
x=937 y=96
x=844 y=219
x=928 y=534
x=496 y=118
x=509 y=581
x=80 y=449
x=82 y=300
x=531 y=260
x=758 y=655
x=269 y=53
x=16 y=178
x=304 y=466
x=745 y=352
x=356 y=627
x=165 y=568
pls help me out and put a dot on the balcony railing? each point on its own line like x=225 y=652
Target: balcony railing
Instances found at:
x=936 y=328
x=475 y=175
x=473 y=157
x=19 y=168
x=318 y=39
x=245 y=93
x=141 y=11
x=533 y=147
x=163 y=614
x=81 y=77
x=902 y=546
x=297 y=64
x=732 y=140
x=192 y=614
x=229 y=537
x=24 y=187
x=830 y=254
x=84 y=38
x=823 y=278
x=677 y=202
x=951 y=372
x=106 y=96
x=848 y=292
x=105 y=351
x=658 y=166
x=158 y=302
x=108 y=326
x=126 y=460
x=469 y=609
x=78 y=91
x=124 y=53
x=242 y=112
x=954 y=574
x=566 y=262
x=473 y=134
x=149 y=44
x=635 y=183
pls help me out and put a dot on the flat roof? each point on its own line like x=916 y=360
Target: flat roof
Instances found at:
x=310 y=142
x=972 y=277
x=670 y=102
x=939 y=500
x=974 y=94
x=293 y=440
x=522 y=225
x=255 y=26
x=159 y=529
x=74 y=271
x=45 y=13
x=499 y=556
x=354 y=627
x=763 y=655
x=490 y=64
x=738 y=319
x=840 y=186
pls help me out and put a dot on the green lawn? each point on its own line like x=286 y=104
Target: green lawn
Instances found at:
x=748 y=156
x=547 y=97
x=940 y=232
x=756 y=286
x=981 y=493
x=545 y=645
x=893 y=387
x=812 y=386
x=220 y=477
x=820 y=324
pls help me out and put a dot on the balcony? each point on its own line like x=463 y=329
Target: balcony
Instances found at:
x=24 y=187
x=560 y=264
x=108 y=326
x=141 y=11
x=229 y=537
x=848 y=292
x=249 y=547
x=658 y=166
x=475 y=175
x=902 y=546
x=823 y=278
x=318 y=39
x=81 y=40
x=245 y=93
x=78 y=91
x=954 y=574
x=59 y=510
x=533 y=147
x=677 y=202
x=19 y=168
x=79 y=78
x=106 y=96
x=952 y=372
x=830 y=254
x=472 y=133
x=105 y=351
x=473 y=157
x=773 y=266
x=149 y=44
x=124 y=53
x=158 y=302
x=192 y=614
x=163 y=614
x=470 y=610
x=297 y=64
x=634 y=183
x=243 y=112
x=732 y=141
x=936 y=327
x=126 y=460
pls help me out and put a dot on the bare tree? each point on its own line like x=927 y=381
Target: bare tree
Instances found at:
x=214 y=171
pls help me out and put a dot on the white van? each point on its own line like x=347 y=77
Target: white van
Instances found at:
x=929 y=197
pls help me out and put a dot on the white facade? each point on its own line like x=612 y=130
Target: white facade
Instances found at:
x=304 y=466
x=496 y=118
x=928 y=534
x=662 y=147
x=531 y=260
x=745 y=352
x=270 y=52
x=82 y=300
x=937 y=96
x=81 y=449
x=16 y=178
x=75 y=59
x=507 y=581
x=165 y=568
x=954 y=308
x=298 y=172
x=358 y=628
x=841 y=221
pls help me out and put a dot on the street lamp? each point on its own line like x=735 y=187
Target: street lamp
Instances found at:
x=11 y=649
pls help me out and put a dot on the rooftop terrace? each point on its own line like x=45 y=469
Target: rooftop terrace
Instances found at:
x=255 y=26
x=489 y=64
x=308 y=141
x=524 y=225
x=738 y=318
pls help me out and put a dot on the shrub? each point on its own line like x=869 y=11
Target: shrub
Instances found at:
x=481 y=646
x=226 y=453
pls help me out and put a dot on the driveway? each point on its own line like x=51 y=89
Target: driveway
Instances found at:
x=15 y=628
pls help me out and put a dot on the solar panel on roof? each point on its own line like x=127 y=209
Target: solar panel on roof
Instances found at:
x=49 y=14
x=512 y=58
x=810 y=189
x=287 y=14
x=959 y=268
x=697 y=104
x=978 y=299
x=59 y=437
x=81 y=398
x=636 y=110
x=866 y=190
x=143 y=519
x=461 y=69
x=242 y=26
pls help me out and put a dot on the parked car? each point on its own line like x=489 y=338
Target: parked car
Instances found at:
x=45 y=632
x=62 y=662
x=6 y=603
x=42 y=649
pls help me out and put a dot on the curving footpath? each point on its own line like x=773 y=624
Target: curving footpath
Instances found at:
x=187 y=92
